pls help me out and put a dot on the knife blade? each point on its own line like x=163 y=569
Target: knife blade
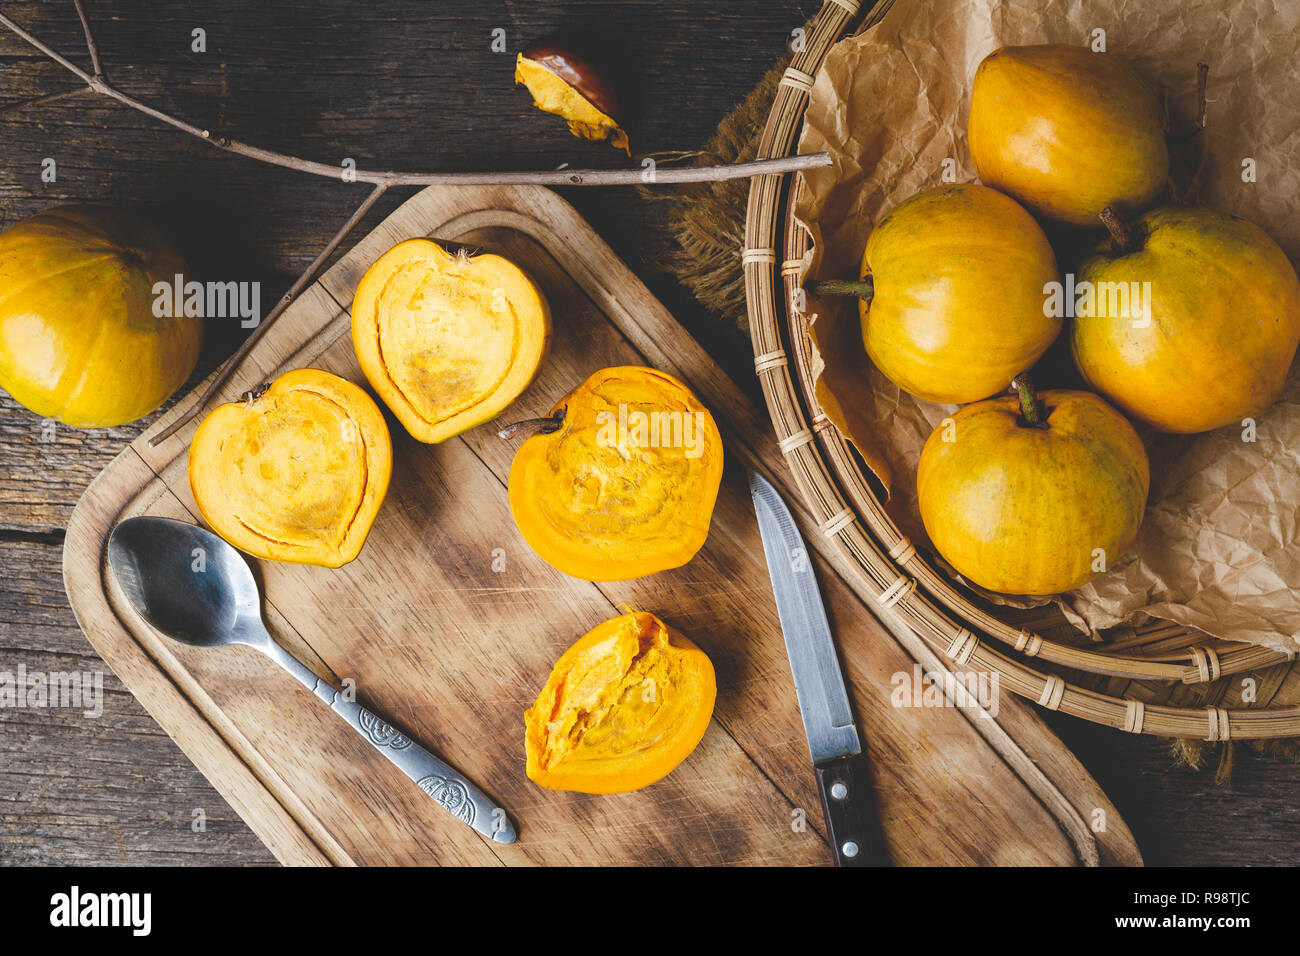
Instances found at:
x=843 y=777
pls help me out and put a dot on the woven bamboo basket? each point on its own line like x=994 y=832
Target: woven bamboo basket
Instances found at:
x=1160 y=678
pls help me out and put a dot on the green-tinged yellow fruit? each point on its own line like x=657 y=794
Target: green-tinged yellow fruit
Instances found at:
x=1067 y=131
x=1211 y=325
x=1033 y=510
x=957 y=307
x=79 y=338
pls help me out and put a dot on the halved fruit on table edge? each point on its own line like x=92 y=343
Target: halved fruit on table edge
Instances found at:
x=295 y=472
x=1067 y=132
x=621 y=480
x=81 y=339
x=1033 y=494
x=621 y=709
x=953 y=293
x=1211 y=325
x=448 y=340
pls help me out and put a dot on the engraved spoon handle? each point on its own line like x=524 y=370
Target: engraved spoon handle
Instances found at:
x=442 y=782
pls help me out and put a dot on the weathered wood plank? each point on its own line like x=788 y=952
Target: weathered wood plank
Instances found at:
x=111 y=788
x=1180 y=816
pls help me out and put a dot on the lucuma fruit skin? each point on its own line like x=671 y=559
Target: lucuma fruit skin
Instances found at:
x=1222 y=329
x=1023 y=510
x=1068 y=132
x=957 y=311
x=79 y=338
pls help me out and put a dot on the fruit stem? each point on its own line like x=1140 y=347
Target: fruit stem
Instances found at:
x=863 y=289
x=1118 y=231
x=534 y=426
x=253 y=394
x=1031 y=409
x=1202 y=104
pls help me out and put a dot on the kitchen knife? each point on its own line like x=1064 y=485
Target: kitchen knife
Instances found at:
x=843 y=777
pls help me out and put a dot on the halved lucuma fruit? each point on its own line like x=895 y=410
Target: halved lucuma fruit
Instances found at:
x=622 y=708
x=571 y=86
x=626 y=485
x=447 y=340
x=296 y=473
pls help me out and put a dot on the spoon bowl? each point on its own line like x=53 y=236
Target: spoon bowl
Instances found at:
x=184 y=581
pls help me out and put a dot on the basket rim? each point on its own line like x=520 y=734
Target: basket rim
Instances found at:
x=866 y=536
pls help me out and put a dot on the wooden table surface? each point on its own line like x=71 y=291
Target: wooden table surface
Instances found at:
x=410 y=85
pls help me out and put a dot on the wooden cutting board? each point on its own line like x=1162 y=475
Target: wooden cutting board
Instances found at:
x=449 y=625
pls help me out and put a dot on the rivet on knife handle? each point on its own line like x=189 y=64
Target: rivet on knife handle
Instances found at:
x=849 y=804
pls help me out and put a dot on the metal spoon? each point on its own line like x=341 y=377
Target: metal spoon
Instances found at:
x=191 y=586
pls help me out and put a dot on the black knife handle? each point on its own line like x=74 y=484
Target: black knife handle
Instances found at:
x=849 y=803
